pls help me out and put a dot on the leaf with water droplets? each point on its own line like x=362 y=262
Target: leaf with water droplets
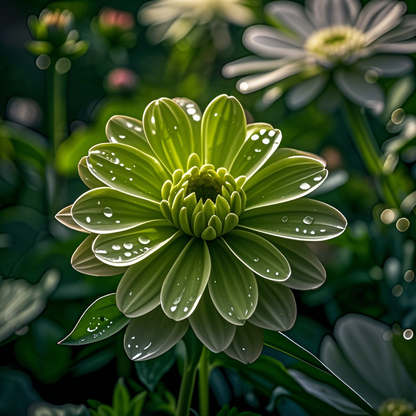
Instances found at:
x=86 y=176
x=232 y=286
x=186 y=281
x=258 y=254
x=101 y=320
x=153 y=334
x=64 y=217
x=307 y=220
x=261 y=142
x=284 y=180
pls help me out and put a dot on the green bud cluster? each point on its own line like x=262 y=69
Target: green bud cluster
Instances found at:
x=203 y=202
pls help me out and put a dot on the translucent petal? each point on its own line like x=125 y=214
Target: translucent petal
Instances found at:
x=276 y=309
x=186 y=281
x=303 y=219
x=386 y=65
x=169 y=133
x=247 y=343
x=105 y=210
x=261 y=142
x=232 y=286
x=84 y=261
x=223 y=131
x=139 y=289
x=252 y=64
x=86 y=176
x=333 y=12
x=64 y=217
x=127 y=130
x=128 y=247
x=210 y=327
x=258 y=254
x=128 y=170
x=152 y=334
x=372 y=13
x=284 y=180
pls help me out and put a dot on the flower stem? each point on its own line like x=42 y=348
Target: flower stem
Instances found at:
x=187 y=386
x=369 y=151
x=203 y=378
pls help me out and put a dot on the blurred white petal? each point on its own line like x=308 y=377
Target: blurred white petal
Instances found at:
x=238 y=14
x=152 y=13
x=386 y=65
x=399 y=47
x=370 y=14
x=405 y=31
x=329 y=12
x=252 y=64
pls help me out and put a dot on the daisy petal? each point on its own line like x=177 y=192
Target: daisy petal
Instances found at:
x=84 y=261
x=223 y=131
x=405 y=31
x=128 y=130
x=276 y=309
x=373 y=13
x=232 y=286
x=186 y=280
x=333 y=12
x=258 y=255
x=386 y=65
x=252 y=64
x=152 y=335
x=169 y=133
x=210 y=327
x=105 y=210
x=128 y=170
x=305 y=220
x=261 y=142
x=139 y=289
x=129 y=247
x=64 y=217
x=86 y=176
x=404 y=47
x=359 y=91
x=283 y=180
x=247 y=344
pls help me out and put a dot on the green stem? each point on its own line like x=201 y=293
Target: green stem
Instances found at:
x=369 y=150
x=203 y=378
x=187 y=387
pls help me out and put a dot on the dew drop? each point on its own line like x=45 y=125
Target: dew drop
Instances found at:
x=88 y=219
x=127 y=254
x=107 y=211
x=128 y=246
x=266 y=141
x=115 y=160
x=285 y=218
x=277 y=273
x=297 y=230
x=248 y=157
x=262 y=131
x=304 y=186
x=317 y=178
x=115 y=247
x=256 y=259
x=121 y=136
x=144 y=240
x=255 y=137
x=308 y=220
x=268 y=271
x=257 y=150
x=272 y=133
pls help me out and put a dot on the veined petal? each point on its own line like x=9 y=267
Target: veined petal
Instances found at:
x=128 y=247
x=386 y=65
x=139 y=289
x=276 y=309
x=284 y=180
x=210 y=327
x=128 y=130
x=64 y=217
x=186 y=280
x=128 y=170
x=232 y=286
x=303 y=219
x=152 y=334
x=105 y=210
x=223 y=131
x=86 y=176
x=247 y=343
x=84 y=261
x=169 y=133
x=261 y=142
x=258 y=254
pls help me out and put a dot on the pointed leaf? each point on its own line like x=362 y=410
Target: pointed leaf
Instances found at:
x=86 y=176
x=64 y=217
x=121 y=398
x=100 y=320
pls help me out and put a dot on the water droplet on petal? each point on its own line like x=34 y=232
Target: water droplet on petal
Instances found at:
x=317 y=178
x=115 y=160
x=308 y=220
x=115 y=247
x=107 y=211
x=144 y=240
x=304 y=186
x=285 y=218
x=256 y=259
x=266 y=141
x=128 y=246
x=88 y=219
x=257 y=150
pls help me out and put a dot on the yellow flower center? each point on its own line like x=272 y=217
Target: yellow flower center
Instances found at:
x=396 y=407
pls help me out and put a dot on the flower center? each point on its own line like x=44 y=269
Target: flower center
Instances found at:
x=203 y=202
x=396 y=407
x=335 y=43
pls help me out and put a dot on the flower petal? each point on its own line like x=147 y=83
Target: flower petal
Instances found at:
x=84 y=261
x=152 y=334
x=232 y=286
x=261 y=142
x=105 y=210
x=169 y=133
x=210 y=327
x=247 y=344
x=223 y=131
x=64 y=217
x=128 y=170
x=186 y=280
x=405 y=31
x=258 y=255
x=373 y=13
x=304 y=219
x=129 y=247
x=128 y=130
x=395 y=47
x=252 y=64
x=285 y=179
x=276 y=309
x=386 y=65
x=86 y=176
x=333 y=12
x=139 y=289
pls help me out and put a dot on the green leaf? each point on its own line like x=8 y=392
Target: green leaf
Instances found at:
x=186 y=280
x=64 y=217
x=136 y=405
x=128 y=170
x=223 y=131
x=232 y=286
x=38 y=48
x=258 y=254
x=105 y=210
x=304 y=219
x=169 y=133
x=406 y=350
x=261 y=142
x=105 y=410
x=101 y=320
x=121 y=398
x=86 y=176
x=139 y=289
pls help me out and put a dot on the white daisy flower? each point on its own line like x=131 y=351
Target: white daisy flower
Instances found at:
x=327 y=39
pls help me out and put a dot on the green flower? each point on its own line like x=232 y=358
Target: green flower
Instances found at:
x=203 y=214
